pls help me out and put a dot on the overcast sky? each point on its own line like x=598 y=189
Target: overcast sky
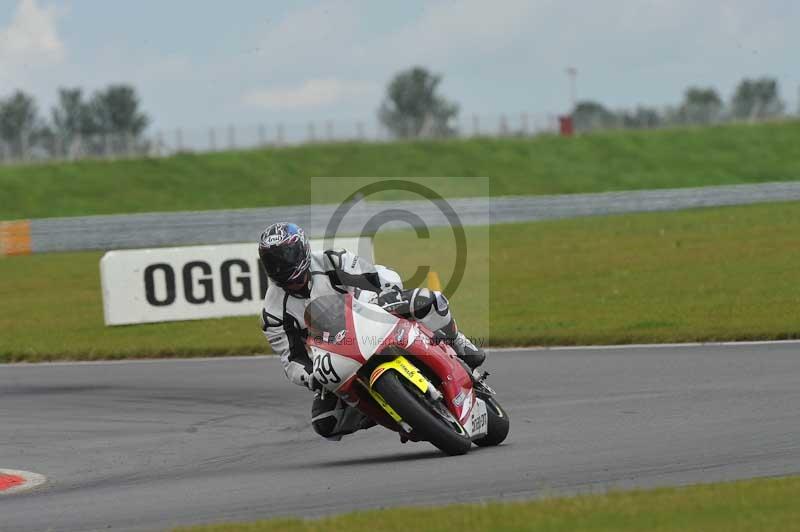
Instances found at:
x=198 y=63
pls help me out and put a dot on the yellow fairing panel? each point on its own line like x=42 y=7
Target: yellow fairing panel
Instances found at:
x=405 y=368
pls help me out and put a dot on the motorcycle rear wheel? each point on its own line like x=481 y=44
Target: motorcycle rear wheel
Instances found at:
x=428 y=420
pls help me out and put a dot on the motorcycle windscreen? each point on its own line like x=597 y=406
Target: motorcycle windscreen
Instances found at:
x=325 y=317
x=372 y=325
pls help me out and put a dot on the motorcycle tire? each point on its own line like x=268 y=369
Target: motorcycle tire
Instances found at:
x=497 y=424
x=421 y=415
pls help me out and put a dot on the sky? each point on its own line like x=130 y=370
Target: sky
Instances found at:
x=199 y=64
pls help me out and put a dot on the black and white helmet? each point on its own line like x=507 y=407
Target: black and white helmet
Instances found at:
x=286 y=255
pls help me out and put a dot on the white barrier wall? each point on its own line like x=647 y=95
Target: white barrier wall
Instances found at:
x=190 y=283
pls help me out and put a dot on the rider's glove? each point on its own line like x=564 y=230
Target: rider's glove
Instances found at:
x=391 y=300
x=312 y=383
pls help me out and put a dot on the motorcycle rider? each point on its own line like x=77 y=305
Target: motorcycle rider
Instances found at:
x=298 y=275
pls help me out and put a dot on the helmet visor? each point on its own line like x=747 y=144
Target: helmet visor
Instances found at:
x=285 y=263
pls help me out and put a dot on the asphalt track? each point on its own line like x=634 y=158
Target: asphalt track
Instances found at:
x=155 y=444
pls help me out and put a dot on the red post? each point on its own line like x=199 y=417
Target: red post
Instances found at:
x=565 y=128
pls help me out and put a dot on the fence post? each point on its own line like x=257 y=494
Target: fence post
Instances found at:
x=279 y=134
x=503 y=130
x=76 y=148
x=178 y=140
x=360 y=130
x=23 y=141
x=798 y=100
x=262 y=135
x=524 y=124
x=476 y=126
x=311 y=133
x=212 y=139
x=231 y=137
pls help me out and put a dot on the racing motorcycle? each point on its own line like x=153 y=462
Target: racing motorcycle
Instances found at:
x=397 y=373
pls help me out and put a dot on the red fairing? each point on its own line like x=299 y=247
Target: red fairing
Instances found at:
x=441 y=359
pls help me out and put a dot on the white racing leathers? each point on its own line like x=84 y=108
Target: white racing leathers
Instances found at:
x=333 y=271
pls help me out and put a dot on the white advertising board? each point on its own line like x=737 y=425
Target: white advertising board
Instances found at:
x=191 y=282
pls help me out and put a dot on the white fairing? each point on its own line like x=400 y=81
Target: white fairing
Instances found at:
x=478 y=423
x=332 y=370
x=372 y=325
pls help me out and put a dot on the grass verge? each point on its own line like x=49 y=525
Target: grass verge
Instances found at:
x=616 y=160
x=701 y=275
x=764 y=504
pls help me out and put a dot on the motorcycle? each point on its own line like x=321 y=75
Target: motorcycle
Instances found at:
x=396 y=372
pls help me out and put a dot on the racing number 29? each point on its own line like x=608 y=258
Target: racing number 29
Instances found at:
x=323 y=370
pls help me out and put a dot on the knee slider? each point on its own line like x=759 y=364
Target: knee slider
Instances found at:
x=421 y=302
x=440 y=304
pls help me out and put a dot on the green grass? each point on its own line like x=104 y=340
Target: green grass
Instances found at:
x=615 y=160
x=752 y=505
x=709 y=274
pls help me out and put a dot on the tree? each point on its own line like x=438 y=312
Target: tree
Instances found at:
x=413 y=108
x=756 y=99
x=109 y=123
x=20 y=126
x=115 y=110
x=641 y=118
x=589 y=115
x=700 y=106
x=72 y=116
x=72 y=121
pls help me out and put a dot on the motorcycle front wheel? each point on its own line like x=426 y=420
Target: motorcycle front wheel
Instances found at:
x=431 y=421
x=498 y=423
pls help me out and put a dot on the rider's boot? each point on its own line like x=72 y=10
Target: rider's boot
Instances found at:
x=366 y=423
x=471 y=354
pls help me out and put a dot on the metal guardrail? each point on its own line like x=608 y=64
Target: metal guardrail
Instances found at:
x=127 y=231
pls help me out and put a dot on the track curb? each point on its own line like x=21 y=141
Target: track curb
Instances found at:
x=15 y=481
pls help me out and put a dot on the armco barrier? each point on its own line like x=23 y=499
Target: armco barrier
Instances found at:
x=244 y=225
